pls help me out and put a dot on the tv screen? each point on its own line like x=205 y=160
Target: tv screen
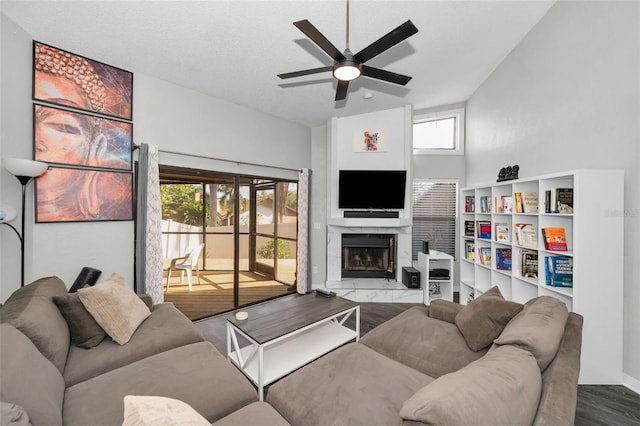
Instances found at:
x=371 y=189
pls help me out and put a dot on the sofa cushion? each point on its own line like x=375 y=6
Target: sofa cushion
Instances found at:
x=256 y=414
x=444 y=310
x=142 y=410
x=166 y=328
x=537 y=329
x=115 y=306
x=85 y=331
x=502 y=388
x=353 y=385
x=482 y=320
x=31 y=310
x=28 y=379
x=196 y=374
x=415 y=339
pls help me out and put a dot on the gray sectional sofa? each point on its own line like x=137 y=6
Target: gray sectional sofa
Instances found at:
x=56 y=382
x=419 y=368
x=492 y=362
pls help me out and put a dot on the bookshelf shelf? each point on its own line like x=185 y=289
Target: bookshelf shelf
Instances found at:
x=580 y=202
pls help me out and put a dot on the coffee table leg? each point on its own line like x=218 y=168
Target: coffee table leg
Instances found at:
x=260 y=373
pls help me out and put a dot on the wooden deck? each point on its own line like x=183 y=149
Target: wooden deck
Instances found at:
x=215 y=292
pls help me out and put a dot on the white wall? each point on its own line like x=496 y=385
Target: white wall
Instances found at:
x=568 y=97
x=164 y=114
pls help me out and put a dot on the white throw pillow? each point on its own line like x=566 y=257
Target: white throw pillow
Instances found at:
x=160 y=411
x=115 y=307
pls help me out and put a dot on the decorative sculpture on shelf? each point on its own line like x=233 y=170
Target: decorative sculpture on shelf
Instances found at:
x=508 y=173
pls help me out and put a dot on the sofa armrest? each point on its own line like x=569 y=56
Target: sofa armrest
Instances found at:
x=560 y=379
x=444 y=310
x=146 y=298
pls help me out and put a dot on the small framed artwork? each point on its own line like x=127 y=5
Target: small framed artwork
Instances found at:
x=70 y=80
x=62 y=136
x=369 y=141
x=83 y=195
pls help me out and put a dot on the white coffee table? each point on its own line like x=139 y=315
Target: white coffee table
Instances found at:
x=281 y=336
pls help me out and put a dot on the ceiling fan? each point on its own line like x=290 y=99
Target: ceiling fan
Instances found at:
x=347 y=66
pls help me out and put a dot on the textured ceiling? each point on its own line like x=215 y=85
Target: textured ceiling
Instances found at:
x=234 y=49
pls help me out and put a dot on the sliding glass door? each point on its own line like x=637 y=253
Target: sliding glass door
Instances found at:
x=249 y=229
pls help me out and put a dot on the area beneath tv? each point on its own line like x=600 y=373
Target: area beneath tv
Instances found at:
x=380 y=290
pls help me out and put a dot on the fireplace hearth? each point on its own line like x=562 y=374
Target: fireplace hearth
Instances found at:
x=369 y=255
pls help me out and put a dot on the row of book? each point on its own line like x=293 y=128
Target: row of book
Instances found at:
x=556 y=200
x=558 y=269
x=526 y=234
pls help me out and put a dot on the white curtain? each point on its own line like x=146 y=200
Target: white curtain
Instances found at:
x=303 y=278
x=149 y=255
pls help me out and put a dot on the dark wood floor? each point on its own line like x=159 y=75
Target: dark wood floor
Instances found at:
x=597 y=405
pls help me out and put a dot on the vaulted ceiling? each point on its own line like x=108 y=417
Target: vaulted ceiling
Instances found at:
x=233 y=50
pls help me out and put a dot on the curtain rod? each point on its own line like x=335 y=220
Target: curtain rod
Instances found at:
x=136 y=146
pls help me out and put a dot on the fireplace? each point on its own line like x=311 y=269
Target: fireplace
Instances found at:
x=369 y=255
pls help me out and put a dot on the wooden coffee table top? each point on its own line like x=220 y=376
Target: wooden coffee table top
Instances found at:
x=274 y=319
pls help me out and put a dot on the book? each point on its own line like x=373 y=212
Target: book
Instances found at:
x=518 y=198
x=484 y=255
x=529 y=264
x=564 y=200
x=503 y=259
x=559 y=271
x=469 y=250
x=526 y=234
x=483 y=229
x=558 y=200
x=502 y=232
x=485 y=204
x=530 y=202
x=507 y=204
x=469 y=228
x=554 y=238
x=469 y=204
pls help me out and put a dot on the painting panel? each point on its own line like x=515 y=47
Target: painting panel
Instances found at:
x=72 y=138
x=64 y=78
x=82 y=195
x=368 y=141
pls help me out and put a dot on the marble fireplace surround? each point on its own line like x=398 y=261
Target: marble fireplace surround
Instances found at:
x=370 y=289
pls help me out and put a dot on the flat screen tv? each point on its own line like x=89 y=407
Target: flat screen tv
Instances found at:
x=371 y=189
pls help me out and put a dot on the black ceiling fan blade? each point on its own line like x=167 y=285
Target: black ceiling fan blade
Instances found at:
x=319 y=39
x=387 y=41
x=304 y=72
x=389 y=76
x=341 y=91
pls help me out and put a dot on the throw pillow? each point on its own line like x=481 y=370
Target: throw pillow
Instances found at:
x=482 y=320
x=115 y=306
x=501 y=388
x=85 y=331
x=538 y=329
x=159 y=411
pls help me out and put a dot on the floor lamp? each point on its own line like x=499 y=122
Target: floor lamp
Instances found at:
x=24 y=170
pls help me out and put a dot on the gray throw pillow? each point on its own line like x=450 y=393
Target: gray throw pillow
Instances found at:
x=501 y=388
x=538 y=329
x=483 y=320
x=85 y=331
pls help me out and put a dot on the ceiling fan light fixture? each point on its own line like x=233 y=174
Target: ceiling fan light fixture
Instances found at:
x=347 y=71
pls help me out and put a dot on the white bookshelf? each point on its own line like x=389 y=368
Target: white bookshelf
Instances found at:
x=428 y=283
x=595 y=235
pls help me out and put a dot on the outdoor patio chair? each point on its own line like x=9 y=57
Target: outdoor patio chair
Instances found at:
x=186 y=264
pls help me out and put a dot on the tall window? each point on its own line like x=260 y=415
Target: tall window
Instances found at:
x=435 y=212
x=438 y=133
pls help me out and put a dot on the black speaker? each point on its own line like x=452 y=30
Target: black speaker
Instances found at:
x=425 y=247
x=410 y=277
x=87 y=276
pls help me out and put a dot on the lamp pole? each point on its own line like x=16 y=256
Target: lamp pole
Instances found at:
x=24 y=180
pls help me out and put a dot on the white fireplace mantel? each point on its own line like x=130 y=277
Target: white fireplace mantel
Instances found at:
x=342 y=222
